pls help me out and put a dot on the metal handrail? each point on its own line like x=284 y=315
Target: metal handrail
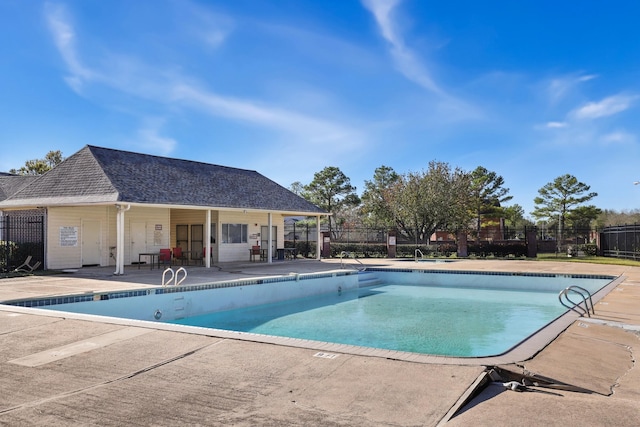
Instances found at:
x=586 y=299
x=167 y=282
x=178 y=282
x=174 y=276
x=349 y=255
x=418 y=251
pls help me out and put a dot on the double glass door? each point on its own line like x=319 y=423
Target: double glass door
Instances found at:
x=194 y=245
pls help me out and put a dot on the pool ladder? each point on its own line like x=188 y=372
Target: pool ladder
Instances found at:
x=174 y=276
x=584 y=294
x=418 y=251
x=350 y=255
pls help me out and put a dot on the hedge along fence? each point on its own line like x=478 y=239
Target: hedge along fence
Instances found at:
x=481 y=250
x=379 y=250
x=361 y=250
x=435 y=250
x=497 y=249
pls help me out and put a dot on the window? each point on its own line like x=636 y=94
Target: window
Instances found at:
x=234 y=233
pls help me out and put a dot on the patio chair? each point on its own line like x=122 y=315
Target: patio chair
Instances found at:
x=165 y=257
x=26 y=266
x=178 y=255
x=255 y=250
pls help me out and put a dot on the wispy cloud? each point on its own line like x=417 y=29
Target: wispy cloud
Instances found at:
x=65 y=39
x=619 y=137
x=607 y=107
x=171 y=90
x=207 y=26
x=449 y=108
x=556 y=125
x=270 y=116
x=149 y=137
x=404 y=58
x=559 y=87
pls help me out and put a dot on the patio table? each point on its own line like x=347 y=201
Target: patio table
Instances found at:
x=153 y=257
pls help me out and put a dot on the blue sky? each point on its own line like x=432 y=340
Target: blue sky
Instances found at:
x=530 y=89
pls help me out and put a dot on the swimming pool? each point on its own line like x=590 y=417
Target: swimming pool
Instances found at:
x=410 y=310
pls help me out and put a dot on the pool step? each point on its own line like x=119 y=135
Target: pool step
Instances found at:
x=178 y=307
x=367 y=278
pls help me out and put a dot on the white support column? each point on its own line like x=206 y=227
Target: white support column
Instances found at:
x=120 y=238
x=269 y=238
x=207 y=246
x=118 y=248
x=318 y=238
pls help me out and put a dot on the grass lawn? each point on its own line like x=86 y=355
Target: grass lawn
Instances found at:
x=588 y=259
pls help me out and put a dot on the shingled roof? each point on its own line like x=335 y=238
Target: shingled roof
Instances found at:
x=10 y=184
x=96 y=175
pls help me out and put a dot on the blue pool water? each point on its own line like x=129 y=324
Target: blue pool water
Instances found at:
x=422 y=319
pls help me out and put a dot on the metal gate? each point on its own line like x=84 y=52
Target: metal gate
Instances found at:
x=21 y=236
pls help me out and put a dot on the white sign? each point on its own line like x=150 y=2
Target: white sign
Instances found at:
x=68 y=236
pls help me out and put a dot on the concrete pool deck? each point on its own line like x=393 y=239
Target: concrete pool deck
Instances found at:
x=69 y=371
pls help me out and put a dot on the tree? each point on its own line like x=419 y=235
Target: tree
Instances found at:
x=331 y=190
x=583 y=216
x=297 y=188
x=514 y=214
x=424 y=202
x=375 y=206
x=487 y=194
x=612 y=217
x=40 y=166
x=559 y=198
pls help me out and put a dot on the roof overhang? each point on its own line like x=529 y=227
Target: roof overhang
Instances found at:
x=95 y=201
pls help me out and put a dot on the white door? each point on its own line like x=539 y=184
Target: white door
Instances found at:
x=91 y=243
x=138 y=240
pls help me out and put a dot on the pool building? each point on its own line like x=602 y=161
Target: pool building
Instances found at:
x=106 y=207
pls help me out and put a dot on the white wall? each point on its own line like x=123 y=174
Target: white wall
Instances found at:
x=62 y=253
x=64 y=235
x=157 y=227
x=228 y=252
x=160 y=226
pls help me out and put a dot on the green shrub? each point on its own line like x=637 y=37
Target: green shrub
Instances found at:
x=359 y=250
x=497 y=249
x=589 y=249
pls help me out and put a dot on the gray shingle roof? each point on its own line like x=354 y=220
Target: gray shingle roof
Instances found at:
x=102 y=175
x=10 y=184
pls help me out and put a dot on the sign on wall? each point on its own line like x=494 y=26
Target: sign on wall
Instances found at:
x=157 y=235
x=68 y=236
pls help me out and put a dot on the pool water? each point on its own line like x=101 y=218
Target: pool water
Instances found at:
x=423 y=319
